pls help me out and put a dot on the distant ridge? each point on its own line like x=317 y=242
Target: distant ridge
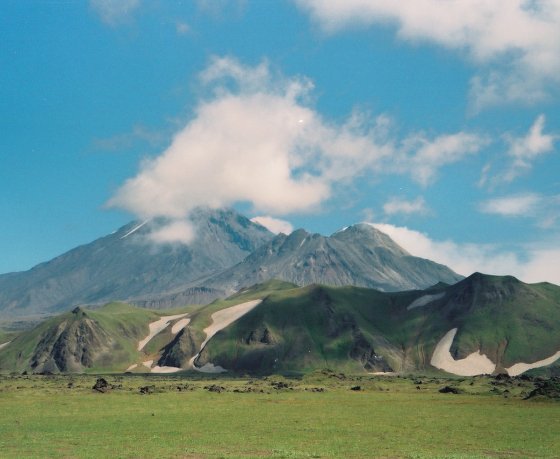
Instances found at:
x=358 y=255
x=124 y=266
x=229 y=252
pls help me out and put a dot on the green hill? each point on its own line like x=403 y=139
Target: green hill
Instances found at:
x=103 y=339
x=301 y=329
x=366 y=330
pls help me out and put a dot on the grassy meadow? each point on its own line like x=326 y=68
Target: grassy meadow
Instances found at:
x=317 y=416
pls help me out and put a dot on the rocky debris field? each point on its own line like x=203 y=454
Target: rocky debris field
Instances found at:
x=522 y=387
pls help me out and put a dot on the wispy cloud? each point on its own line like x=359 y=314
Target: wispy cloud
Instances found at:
x=138 y=134
x=515 y=43
x=425 y=157
x=545 y=210
x=256 y=139
x=530 y=263
x=274 y=225
x=113 y=12
x=522 y=205
x=182 y=28
x=521 y=153
x=396 y=205
x=524 y=150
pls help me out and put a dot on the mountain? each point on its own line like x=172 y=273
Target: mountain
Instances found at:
x=482 y=324
x=359 y=255
x=229 y=252
x=76 y=341
x=125 y=266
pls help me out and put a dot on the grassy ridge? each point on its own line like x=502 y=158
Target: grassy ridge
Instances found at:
x=317 y=327
x=388 y=418
x=125 y=324
x=352 y=329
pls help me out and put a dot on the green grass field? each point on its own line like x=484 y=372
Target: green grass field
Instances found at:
x=57 y=416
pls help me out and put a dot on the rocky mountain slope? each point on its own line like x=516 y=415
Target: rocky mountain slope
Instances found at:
x=125 y=265
x=229 y=252
x=359 y=255
x=482 y=324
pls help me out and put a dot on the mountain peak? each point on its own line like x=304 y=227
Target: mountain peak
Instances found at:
x=370 y=236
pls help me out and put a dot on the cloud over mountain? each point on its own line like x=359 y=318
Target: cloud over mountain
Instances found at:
x=530 y=263
x=256 y=139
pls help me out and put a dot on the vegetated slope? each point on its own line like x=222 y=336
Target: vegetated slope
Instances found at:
x=361 y=329
x=299 y=329
x=104 y=339
x=126 y=265
x=359 y=255
x=504 y=318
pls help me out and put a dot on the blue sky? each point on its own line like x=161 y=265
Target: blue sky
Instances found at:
x=440 y=122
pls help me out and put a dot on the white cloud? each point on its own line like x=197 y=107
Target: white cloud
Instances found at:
x=396 y=205
x=175 y=232
x=515 y=42
x=274 y=224
x=256 y=140
x=426 y=156
x=524 y=150
x=113 y=12
x=545 y=210
x=530 y=264
x=521 y=205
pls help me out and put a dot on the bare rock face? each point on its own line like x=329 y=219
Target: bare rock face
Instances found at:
x=71 y=346
x=179 y=351
x=363 y=351
x=261 y=335
x=359 y=255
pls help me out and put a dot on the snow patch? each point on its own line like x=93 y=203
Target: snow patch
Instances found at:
x=158 y=326
x=158 y=369
x=220 y=320
x=211 y=368
x=424 y=300
x=131 y=367
x=521 y=367
x=179 y=325
x=472 y=365
x=136 y=228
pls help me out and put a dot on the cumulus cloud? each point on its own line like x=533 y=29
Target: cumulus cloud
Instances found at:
x=396 y=205
x=255 y=139
x=535 y=263
x=113 y=12
x=274 y=225
x=516 y=43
